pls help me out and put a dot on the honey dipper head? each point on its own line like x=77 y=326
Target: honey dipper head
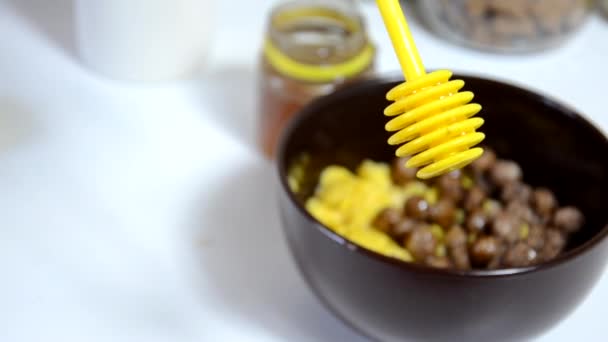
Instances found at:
x=434 y=124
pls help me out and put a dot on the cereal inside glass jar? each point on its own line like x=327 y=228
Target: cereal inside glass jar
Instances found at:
x=506 y=26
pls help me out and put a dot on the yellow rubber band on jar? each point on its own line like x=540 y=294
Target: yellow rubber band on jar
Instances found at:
x=317 y=73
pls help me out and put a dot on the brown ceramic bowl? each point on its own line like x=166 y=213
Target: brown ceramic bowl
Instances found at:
x=390 y=300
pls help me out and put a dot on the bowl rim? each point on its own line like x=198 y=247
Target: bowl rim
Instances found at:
x=343 y=242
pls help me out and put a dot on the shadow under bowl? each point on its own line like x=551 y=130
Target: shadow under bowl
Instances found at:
x=390 y=300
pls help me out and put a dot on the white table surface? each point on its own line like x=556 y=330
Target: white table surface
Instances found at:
x=132 y=212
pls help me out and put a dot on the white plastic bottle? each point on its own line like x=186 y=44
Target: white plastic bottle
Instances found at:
x=144 y=40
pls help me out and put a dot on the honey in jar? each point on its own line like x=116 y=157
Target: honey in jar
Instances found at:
x=311 y=49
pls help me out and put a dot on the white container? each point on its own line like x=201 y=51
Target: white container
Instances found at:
x=144 y=40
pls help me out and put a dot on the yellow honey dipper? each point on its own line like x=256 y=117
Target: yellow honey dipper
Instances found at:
x=432 y=120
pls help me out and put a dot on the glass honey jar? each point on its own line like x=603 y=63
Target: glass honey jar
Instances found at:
x=311 y=49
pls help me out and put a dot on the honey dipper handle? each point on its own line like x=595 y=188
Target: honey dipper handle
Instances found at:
x=401 y=37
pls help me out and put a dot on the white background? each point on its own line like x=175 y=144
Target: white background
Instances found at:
x=133 y=212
